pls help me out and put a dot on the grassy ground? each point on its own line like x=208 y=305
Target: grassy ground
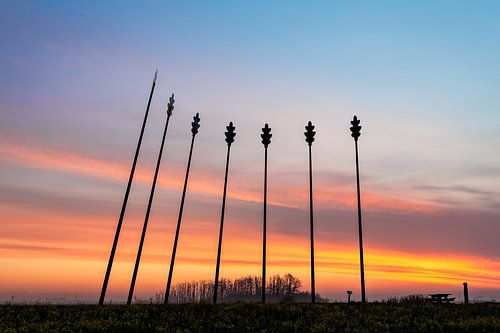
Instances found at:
x=245 y=317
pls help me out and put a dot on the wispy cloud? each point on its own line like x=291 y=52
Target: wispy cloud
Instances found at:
x=327 y=193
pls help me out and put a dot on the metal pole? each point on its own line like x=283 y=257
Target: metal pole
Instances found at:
x=313 y=288
x=125 y=199
x=360 y=229
x=265 y=231
x=194 y=130
x=170 y=108
x=356 y=132
x=266 y=140
x=310 y=133
x=229 y=139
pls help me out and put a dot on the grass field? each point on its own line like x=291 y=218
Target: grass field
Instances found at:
x=248 y=317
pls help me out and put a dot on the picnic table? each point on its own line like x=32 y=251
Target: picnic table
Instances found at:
x=441 y=298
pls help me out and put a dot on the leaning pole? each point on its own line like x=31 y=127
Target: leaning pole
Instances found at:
x=170 y=108
x=230 y=134
x=355 y=133
x=125 y=199
x=266 y=140
x=310 y=133
x=195 y=125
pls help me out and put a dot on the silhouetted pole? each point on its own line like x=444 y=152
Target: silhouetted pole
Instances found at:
x=266 y=140
x=125 y=199
x=310 y=133
x=230 y=134
x=195 y=125
x=466 y=293
x=349 y=293
x=170 y=108
x=355 y=133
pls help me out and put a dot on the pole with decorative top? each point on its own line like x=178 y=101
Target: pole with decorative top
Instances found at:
x=266 y=140
x=125 y=199
x=310 y=133
x=230 y=134
x=355 y=133
x=195 y=125
x=170 y=108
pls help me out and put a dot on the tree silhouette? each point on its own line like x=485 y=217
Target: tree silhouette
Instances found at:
x=195 y=125
x=125 y=199
x=310 y=133
x=355 y=133
x=230 y=134
x=170 y=108
x=245 y=288
x=266 y=140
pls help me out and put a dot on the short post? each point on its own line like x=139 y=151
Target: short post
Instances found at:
x=349 y=293
x=466 y=293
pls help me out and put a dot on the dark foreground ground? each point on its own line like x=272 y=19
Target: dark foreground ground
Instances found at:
x=483 y=317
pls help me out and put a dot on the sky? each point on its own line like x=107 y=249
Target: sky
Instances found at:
x=423 y=77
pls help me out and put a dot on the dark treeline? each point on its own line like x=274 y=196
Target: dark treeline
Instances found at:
x=279 y=288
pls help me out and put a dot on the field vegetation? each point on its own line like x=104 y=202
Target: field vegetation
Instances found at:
x=253 y=317
x=288 y=310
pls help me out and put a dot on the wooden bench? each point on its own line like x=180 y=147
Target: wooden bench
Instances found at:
x=440 y=298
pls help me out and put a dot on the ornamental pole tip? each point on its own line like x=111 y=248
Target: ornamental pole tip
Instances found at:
x=266 y=135
x=309 y=133
x=195 y=124
x=170 y=105
x=355 y=129
x=230 y=134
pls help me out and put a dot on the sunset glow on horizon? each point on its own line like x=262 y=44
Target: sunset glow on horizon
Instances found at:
x=75 y=80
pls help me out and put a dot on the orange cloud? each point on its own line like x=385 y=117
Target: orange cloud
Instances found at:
x=68 y=253
x=286 y=195
x=74 y=261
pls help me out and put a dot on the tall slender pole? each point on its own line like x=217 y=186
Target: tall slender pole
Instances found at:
x=264 y=237
x=125 y=199
x=195 y=125
x=266 y=140
x=310 y=133
x=230 y=134
x=170 y=108
x=356 y=132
